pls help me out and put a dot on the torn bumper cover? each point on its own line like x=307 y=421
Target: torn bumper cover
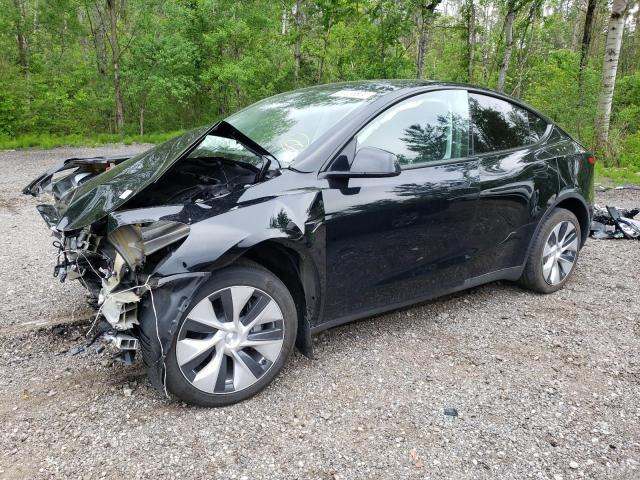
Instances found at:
x=161 y=309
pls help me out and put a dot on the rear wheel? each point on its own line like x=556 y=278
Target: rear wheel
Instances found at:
x=554 y=252
x=234 y=339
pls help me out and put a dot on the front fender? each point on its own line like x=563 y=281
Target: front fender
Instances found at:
x=216 y=241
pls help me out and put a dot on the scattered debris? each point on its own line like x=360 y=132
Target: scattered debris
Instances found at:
x=58 y=330
x=611 y=222
x=450 y=412
x=75 y=350
x=601 y=188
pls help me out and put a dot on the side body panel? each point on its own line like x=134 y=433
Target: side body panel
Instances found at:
x=516 y=188
x=393 y=240
x=574 y=172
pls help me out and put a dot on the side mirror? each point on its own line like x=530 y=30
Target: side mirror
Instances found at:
x=369 y=162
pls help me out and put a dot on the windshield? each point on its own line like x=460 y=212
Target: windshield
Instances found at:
x=286 y=124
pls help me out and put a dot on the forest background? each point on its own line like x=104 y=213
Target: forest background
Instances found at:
x=84 y=72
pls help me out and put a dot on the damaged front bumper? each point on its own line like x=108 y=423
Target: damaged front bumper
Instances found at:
x=133 y=303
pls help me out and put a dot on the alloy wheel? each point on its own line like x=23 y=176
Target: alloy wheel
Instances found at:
x=230 y=339
x=560 y=253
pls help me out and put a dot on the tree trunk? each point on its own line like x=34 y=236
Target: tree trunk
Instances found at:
x=424 y=19
x=508 y=47
x=298 y=20
x=325 y=47
x=584 y=59
x=610 y=67
x=485 y=33
x=22 y=40
x=284 y=18
x=142 y=119
x=422 y=47
x=112 y=7
x=101 y=51
x=636 y=41
x=586 y=36
x=471 y=38
x=526 y=47
x=575 y=35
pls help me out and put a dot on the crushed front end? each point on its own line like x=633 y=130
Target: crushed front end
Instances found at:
x=143 y=234
x=116 y=268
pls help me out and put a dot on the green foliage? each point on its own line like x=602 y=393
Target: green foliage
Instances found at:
x=630 y=154
x=185 y=63
x=553 y=91
x=627 y=102
x=616 y=175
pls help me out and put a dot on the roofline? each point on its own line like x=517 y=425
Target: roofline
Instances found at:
x=329 y=144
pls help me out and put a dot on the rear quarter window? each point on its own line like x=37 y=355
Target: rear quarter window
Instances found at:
x=501 y=125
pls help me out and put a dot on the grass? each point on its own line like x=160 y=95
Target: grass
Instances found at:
x=46 y=141
x=617 y=176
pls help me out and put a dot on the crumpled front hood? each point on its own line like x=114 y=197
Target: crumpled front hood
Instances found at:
x=110 y=190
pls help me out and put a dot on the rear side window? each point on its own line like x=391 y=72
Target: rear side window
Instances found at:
x=500 y=125
x=425 y=128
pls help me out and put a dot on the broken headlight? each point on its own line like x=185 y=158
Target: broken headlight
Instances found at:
x=134 y=242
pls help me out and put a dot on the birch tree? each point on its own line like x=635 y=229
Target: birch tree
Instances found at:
x=513 y=7
x=613 y=44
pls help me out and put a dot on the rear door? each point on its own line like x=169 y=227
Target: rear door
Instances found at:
x=395 y=240
x=517 y=179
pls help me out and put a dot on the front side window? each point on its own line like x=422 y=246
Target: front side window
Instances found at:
x=426 y=128
x=500 y=125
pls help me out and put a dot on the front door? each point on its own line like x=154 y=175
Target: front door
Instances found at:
x=391 y=241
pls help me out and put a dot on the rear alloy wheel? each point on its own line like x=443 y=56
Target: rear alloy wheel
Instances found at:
x=234 y=340
x=554 y=252
x=560 y=253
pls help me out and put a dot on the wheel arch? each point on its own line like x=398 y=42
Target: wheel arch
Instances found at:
x=576 y=205
x=299 y=274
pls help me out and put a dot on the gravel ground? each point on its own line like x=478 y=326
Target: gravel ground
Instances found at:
x=544 y=386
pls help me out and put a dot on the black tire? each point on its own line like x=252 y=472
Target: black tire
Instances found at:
x=245 y=274
x=532 y=276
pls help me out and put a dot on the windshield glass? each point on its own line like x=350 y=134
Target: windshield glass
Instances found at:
x=286 y=124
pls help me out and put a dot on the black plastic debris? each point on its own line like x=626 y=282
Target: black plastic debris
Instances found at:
x=450 y=412
x=612 y=222
x=125 y=356
x=629 y=227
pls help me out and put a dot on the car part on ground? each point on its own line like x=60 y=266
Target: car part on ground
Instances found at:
x=611 y=222
x=347 y=222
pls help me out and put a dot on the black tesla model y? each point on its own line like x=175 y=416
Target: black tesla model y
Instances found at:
x=218 y=251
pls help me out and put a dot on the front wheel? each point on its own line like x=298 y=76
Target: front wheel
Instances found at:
x=234 y=339
x=554 y=252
